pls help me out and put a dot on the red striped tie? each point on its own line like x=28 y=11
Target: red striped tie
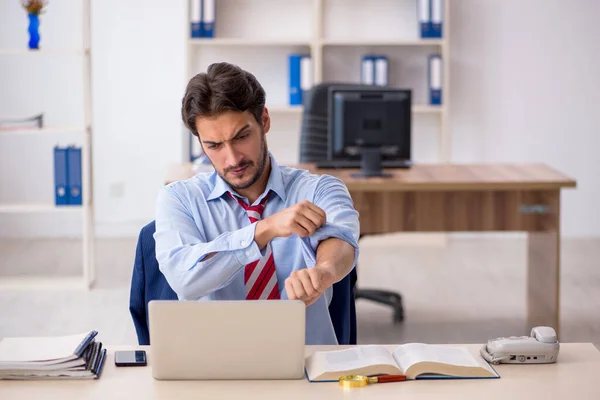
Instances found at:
x=260 y=279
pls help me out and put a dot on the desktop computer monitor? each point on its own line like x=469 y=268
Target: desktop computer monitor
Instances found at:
x=373 y=122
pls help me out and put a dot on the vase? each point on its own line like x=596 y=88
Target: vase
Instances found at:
x=34 y=35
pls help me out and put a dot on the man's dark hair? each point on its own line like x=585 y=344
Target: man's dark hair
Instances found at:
x=223 y=87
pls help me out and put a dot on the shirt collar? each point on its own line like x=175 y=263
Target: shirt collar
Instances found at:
x=275 y=183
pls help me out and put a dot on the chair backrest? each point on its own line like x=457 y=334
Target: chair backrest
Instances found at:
x=315 y=120
x=148 y=283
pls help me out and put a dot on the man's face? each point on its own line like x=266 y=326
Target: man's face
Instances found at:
x=236 y=146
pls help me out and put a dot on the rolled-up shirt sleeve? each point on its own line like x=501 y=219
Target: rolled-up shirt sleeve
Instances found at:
x=182 y=248
x=332 y=195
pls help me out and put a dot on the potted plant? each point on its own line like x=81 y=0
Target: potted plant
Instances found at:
x=34 y=9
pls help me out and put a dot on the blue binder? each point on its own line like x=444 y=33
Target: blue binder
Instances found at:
x=208 y=18
x=196 y=18
x=381 y=71
x=437 y=18
x=435 y=79
x=74 y=175
x=424 y=18
x=295 y=90
x=306 y=74
x=61 y=194
x=367 y=69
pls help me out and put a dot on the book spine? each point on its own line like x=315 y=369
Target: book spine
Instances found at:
x=295 y=89
x=61 y=193
x=367 y=70
x=437 y=18
x=306 y=75
x=381 y=71
x=424 y=17
x=74 y=187
x=196 y=18
x=208 y=18
x=435 y=79
x=85 y=343
x=98 y=370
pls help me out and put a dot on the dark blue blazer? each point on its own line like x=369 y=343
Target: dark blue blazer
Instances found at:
x=148 y=283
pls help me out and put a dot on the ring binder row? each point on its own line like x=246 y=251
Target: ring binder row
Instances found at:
x=374 y=70
x=202 y=18
x=67 y=175
x=430 y=14
x=431 y=18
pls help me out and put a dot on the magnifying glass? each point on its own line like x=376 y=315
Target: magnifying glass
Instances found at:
x=352 y=381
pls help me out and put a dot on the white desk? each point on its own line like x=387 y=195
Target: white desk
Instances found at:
x=575 y=376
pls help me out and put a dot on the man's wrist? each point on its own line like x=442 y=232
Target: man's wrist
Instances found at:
x=329 y=271
x=262 y=233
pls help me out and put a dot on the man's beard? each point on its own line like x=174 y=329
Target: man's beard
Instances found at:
x=262 y=162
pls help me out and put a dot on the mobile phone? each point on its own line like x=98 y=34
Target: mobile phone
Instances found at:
x=130 y=358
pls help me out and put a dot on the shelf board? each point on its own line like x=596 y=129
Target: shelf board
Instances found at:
x=44 y=52
x=426 y=108
x=248 y=42
x=26 y=282
x=416 y=108
x=36 y=207
x=43 y=131
x=383 y=42
x=285 y=109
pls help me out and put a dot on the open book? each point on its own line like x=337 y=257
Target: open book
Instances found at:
x=415 y=360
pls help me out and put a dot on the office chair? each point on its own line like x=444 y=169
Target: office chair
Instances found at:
x=148 y=283
x=313 y=148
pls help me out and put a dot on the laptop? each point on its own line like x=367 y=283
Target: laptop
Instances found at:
x=227 y=339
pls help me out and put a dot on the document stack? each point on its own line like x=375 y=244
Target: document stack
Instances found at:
x=47 y=358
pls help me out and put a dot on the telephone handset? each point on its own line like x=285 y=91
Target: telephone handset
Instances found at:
x=540 y=347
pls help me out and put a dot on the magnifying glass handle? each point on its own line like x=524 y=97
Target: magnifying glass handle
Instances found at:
x=391 y=378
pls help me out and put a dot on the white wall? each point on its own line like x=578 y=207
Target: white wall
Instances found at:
x=521 y=71
x=139 y=67
x=525 y=87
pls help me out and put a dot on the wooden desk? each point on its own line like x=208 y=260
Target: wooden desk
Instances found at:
x=575 y=375
x=467 y=198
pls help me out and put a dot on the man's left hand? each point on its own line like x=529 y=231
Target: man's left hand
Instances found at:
x=309 y=284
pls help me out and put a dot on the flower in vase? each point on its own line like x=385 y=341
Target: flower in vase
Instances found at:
x=35 y=7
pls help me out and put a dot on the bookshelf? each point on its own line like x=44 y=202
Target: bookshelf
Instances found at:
x=261 y=41
x=56 y=133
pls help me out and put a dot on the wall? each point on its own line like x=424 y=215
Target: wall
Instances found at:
x=523 y=89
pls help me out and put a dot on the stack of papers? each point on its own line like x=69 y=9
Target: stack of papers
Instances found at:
x=59 y=357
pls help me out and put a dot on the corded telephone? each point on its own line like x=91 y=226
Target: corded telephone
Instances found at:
x=540 y=347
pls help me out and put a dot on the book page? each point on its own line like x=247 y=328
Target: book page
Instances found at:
x=356 y=357
x=412 y=353
x=24 y=349
x=364 y=360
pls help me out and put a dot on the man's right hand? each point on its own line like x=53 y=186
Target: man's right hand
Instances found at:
x=302 y=219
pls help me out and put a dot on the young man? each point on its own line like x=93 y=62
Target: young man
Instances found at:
x=252 y=229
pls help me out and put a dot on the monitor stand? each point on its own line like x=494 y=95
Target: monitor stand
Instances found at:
x=370 y=164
